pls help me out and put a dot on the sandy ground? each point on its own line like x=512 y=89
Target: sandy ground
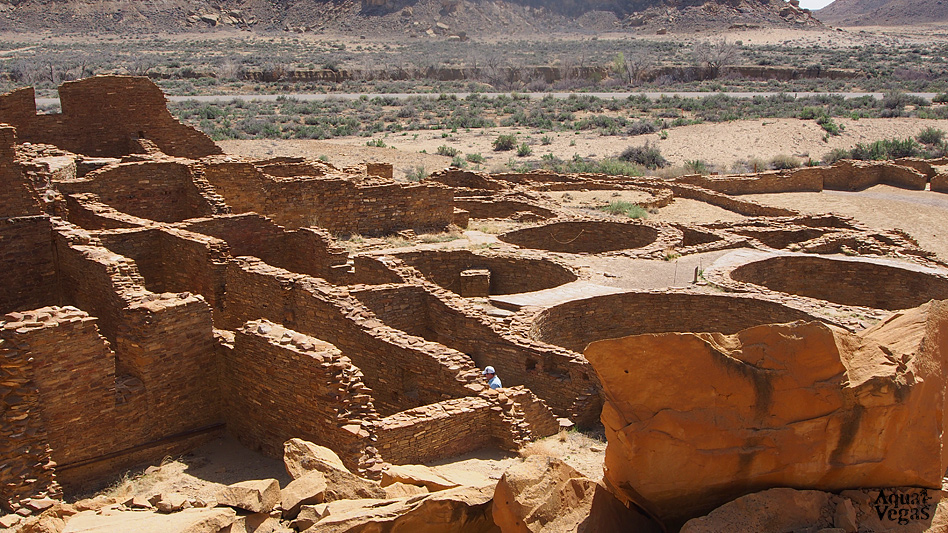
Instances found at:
x=718 y=144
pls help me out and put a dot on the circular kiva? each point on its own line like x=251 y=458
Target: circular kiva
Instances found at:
x=507 y=274
x=861 y=282
x=583 y=237
x=573 y=325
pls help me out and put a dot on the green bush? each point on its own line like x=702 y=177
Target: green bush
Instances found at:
x=886 y=149
x=784 y=162
x=546 y=140
x=475 y=158
x=625 y=208
x=448 y=151
x=417 y=173
x=380 y=143
x=940 y=98
x=930 y=136
x=524 y=150
x=648 y=156
x=696 y=166
x=504 y=143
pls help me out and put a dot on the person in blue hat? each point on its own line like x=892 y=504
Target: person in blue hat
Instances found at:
x=492 y=380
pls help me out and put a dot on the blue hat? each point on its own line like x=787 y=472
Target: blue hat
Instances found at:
x=489 y=370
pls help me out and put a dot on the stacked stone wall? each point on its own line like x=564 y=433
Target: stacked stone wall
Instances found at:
x=336 y=204
x=403 y=371
x=803 y=180
x=198 y=267
x=27 y=264
x=509 y=274
x=279 y=384
x=444 y=429
x=480 y=208
x=101 y=114
x=310 y=251
x=940 y=183
x=164 y=191
x=28 y=469
x=858 y=175
x=573 y=325
x=855 y=282
x=17 y=197
x=557 y=376
x=579 y=236
x=86 y=211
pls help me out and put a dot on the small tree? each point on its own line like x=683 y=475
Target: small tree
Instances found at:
x=713 y=57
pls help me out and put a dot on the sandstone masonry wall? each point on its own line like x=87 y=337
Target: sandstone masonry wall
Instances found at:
x=844 y=281
x=509 y=273
x=88 y=212
x=279 y=384
x=27 y=264
x=335 y=204
x=803 y=180
x=573 y=325
x=164 y=191
x=403 y=371
x=578 y=237
x=17 y=197
x=443 y=429
x=28 y=469
x=310 y=251
x=101 y=114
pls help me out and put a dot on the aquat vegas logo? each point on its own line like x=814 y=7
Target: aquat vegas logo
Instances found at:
x=903 y=507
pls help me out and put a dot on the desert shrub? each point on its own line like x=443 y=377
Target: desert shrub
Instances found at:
x=448 y=151
x=417 y=173
x=546 y=140
x=475 y=158
x=380 y=143
x=524 y=150
x=886 y=149
x=696 y=166
x=504 y=143
x=940 y=98
x=930 y=136
x=784 y=162
x=648 y=156
x=625 y=208
x=642 y=127
x=835 y=155
x=829 y=125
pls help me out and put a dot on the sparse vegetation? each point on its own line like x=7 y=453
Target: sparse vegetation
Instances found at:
x=623 y=208
x=416 y=173
x=504 y=143
x=448 y=151
x=524 y=150
x=647 y=156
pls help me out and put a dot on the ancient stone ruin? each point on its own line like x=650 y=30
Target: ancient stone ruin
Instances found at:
x=158 y=293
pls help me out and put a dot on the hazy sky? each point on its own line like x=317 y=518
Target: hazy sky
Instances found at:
x=815 y=4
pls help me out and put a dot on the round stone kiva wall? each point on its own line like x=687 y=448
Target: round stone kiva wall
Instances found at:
x=583 y=237
x=573 y=325
x=509 y=274
x=846 y=281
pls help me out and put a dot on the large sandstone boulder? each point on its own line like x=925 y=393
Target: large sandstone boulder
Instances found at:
x=419 y=475
x=256 y=496
x=545 y=494
x=899 y=510
x=186 y=521
x=301 y=457
x=697 y=419
x=460 y=510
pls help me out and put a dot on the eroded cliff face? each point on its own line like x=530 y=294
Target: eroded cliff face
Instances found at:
x=697 y=419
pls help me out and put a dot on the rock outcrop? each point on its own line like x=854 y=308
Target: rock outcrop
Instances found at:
x=697 y=419
x=902 y=510
x=546 y=494
x=301 y=457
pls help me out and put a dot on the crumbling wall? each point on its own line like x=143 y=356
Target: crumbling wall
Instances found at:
x=403 y=371
x=444 y=429
x=335 y=203
x=801 y=180
x=28 y=469
x=509 y=274
x=17 y=197
x=559 y=377
x=487 y=208
x=846 y=280
x=74 y=371
x=101 y=114
x=198 y=265
x=310 y=391
x=27 y=264
x=573 y=325
x=310 y=251
x=88 y=212
x=164 y=191
x=849 y=175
